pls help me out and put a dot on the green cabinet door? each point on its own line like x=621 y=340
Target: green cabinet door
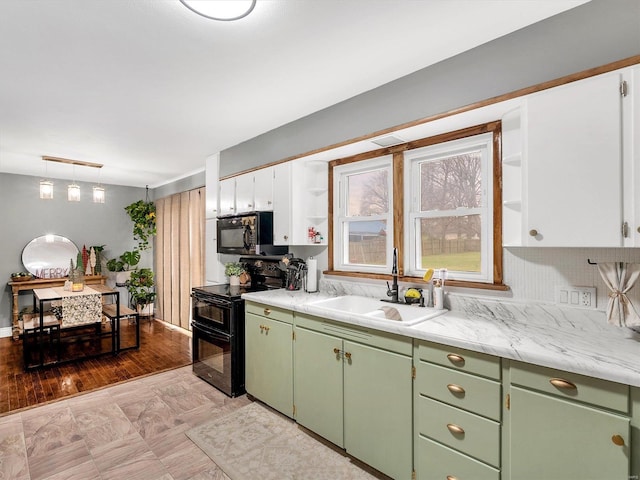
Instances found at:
x=269 y=362
x=555 y=439
x=318 y=384
x=377 y=409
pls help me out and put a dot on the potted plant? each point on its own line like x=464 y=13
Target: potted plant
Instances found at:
x=123 y=264
x=140 y=288
x=233 y=270
x=143 y=216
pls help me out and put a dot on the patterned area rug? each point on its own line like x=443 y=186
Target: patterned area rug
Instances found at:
x=256 y=443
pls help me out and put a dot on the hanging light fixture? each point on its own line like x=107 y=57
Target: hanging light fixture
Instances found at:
x=73 y=189
x=98 y=194
x=46 y=186
x=98 y=191
x=46 y=190
x=224 y=10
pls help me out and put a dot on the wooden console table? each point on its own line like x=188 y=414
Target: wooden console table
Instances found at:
x=17 y=287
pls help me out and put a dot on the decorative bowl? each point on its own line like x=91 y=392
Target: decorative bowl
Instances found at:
x=21 y=278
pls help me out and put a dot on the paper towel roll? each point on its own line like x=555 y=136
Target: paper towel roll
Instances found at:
x=312 y=275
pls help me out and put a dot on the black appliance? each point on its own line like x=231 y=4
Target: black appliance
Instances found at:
x=247 y=234
x=218 y=324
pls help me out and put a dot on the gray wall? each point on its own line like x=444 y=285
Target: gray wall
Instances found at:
x=590 y=35
x=25 y=216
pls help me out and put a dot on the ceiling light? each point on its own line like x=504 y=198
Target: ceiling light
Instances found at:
x=46 y=190
x=225 y=10
x=98 y=194
x=73 y=192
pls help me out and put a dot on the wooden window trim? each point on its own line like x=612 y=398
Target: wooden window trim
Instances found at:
x=397 y=151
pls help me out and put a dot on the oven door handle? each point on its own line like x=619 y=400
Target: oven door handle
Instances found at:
x=212 y=333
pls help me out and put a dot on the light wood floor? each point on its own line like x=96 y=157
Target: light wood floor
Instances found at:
x=134 y=430
x=162 y=348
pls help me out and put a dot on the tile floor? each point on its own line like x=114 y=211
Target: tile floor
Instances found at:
x=132 y=431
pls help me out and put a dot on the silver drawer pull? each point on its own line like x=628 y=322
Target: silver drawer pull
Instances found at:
x=562 y=383
x=455 y=429
x=455 y=358
x=455 y=389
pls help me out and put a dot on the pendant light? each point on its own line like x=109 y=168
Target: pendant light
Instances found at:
x=98 y=191
x=98 y=194
x=73 y=189
x=46 y=186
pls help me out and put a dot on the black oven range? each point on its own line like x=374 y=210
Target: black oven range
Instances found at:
x=218 y=324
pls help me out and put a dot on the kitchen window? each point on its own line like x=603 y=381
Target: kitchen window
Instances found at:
x=449 y=208
x=363 y=221
x=437 y=199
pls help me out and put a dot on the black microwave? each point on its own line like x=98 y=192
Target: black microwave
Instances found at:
x=248 y=234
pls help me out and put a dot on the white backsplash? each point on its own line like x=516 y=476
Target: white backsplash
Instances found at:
x=532 y=275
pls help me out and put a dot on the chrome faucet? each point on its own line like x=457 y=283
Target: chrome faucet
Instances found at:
x=392 y=291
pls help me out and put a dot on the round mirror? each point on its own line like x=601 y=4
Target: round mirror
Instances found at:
x=49 y=256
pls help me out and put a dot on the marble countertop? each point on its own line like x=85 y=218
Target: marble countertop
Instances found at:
x=575 y=340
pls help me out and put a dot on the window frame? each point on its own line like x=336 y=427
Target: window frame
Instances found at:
x=413 y=160
x=340 y=216
x=494 y=127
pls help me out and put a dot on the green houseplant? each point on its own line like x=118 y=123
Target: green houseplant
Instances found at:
x=124 y=262
x=140 y=288
x=143 y=216
x=233 y=270
x=122 y=265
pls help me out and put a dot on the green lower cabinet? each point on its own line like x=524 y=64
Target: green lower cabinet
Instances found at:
x=377 y=408
x=317 y=384
x=269 y=361
x=356 y=396
x=555 y=439
x=435 y=461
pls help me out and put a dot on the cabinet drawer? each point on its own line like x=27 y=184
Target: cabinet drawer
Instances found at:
x=275 y=313
x=437 y=462
x=478 y=437
x=460 y=359
x=571 y=386
x=368 y=336
x=476 y=394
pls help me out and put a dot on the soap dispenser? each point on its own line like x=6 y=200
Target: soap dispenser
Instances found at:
x=438 y=295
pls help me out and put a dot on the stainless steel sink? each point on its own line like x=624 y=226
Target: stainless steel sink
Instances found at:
x=377 y=309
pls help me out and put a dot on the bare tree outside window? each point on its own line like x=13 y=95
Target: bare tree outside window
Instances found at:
x=448 y=185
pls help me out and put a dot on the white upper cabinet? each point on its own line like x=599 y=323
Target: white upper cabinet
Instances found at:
x=211 y=179
x=244 y=193
x=631 y=156
x=282 y=204
x=263 y=189
x=254 y=191
x=563 y=166
x=227 y=203
x=300 y=202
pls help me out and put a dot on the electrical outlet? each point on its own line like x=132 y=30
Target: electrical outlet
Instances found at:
x=580 y=297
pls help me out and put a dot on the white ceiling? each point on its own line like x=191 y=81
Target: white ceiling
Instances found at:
x=149 y=89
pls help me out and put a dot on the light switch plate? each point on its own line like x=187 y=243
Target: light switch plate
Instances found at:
x=579 y=297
